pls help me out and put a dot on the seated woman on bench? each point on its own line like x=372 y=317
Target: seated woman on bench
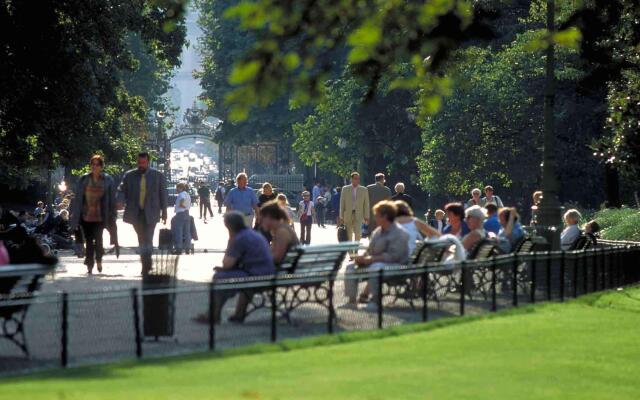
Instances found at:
x=275 y=220
x=388 y=245
x=247 y=255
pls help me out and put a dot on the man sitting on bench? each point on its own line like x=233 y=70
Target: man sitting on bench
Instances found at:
x=388 y=245
x=248 y=254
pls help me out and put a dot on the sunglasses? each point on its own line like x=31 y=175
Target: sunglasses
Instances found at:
x=96 y=164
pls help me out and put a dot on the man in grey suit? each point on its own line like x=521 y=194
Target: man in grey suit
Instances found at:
x=377 y=192
x=143 y=192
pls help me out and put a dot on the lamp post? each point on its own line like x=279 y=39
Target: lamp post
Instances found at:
x=550 y=210
x=164 y=145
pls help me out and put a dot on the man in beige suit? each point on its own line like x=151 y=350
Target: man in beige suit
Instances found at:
x=377 y=192
x=354 y=207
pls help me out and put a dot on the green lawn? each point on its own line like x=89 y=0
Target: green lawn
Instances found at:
x=586 y=349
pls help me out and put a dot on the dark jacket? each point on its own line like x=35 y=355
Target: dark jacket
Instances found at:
x=403 y=197
x=107 y=204
x=155 y=203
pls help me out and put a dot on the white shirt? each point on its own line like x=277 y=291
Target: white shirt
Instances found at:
x=309 y=209
x=568 y=236
x=184 y=195
x=439 y=225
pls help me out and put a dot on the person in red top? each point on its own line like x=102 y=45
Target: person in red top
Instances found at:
x=306 y=212
x=93 y=209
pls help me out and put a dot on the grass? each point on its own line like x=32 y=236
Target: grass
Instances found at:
x=585 y=349
x=619 y=224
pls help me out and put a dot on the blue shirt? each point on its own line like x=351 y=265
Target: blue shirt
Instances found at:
x=492 y=224
x=463 y=231
x=252 y=251
x=335 y=202
x=315 y=192
x=516 y=235
x=241 y=200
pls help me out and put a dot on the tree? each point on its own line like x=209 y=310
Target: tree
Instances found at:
x=489 y=130
x=224 y=42
x=62 y=73
x=298 y=40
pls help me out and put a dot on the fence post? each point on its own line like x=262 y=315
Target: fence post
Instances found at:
x=493 y=284
x=562 y=271
x=612 y=258
x=533 y=277
x=64 y=354
x=425 y=281
x=514 y=280
x=136 y=321
x=212 y=322
x=575 y=275
x=274 y=309
x=618 y=265
x=332 y=311
x=379 y=299
x=548 y=253
x=585 y=272
x=595 y=270
x=463 y=286
x=606 y=267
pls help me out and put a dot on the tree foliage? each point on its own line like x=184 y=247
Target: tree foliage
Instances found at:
x=297 y=41
x=62 y=74
x=490 y=129
x=222 y=44
x=343 y=133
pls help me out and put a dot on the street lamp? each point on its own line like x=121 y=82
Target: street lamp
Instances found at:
x=164 y=145
x=550 y=211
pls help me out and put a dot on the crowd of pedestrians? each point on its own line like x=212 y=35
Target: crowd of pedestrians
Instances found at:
x=373 y=211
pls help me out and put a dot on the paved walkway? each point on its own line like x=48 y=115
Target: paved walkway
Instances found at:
x=125 y=271
x=101 y=308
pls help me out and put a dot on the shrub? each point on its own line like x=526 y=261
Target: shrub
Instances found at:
x=619 y=224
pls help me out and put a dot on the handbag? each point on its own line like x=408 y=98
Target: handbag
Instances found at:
x=304 y=216
x=342 y=233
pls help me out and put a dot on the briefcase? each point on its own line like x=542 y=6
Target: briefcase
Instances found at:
x=165 y=239
x=342 y=233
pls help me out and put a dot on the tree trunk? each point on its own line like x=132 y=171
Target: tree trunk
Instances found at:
x=612 y=187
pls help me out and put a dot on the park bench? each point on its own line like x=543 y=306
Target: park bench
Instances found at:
x=18 y=285
x=306 y=275
x=409 y=288
x=584 y=241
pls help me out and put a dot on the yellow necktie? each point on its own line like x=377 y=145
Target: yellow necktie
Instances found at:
x=143 y=191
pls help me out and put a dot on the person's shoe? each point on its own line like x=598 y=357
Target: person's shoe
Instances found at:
x=349 y=306
x=236 y=319
x=363 y=299
x=99 y=265
x=204 y=319
x=371 y=306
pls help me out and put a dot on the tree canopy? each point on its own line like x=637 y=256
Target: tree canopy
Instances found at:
x=63 y=75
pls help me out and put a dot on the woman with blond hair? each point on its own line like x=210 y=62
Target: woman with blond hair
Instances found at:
x=475 y=198
x=416 y=228
x=284 y=203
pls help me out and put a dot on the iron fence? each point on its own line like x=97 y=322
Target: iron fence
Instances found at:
x=74 y=329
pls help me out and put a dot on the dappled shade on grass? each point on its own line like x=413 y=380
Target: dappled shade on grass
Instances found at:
x=582 y=349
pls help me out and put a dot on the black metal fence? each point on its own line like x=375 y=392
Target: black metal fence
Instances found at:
x=72 y=329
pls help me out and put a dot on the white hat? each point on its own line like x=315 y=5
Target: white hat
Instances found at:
x=475 y=211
